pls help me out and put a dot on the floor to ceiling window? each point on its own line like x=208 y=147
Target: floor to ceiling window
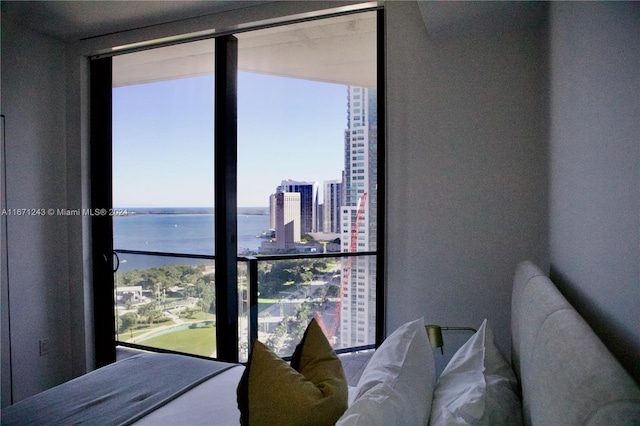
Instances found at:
x=292 y=188
x=163 y=193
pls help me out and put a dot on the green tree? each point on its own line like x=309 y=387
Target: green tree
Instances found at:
x=280 y=275
x=130 y=278
x=154 y=315
x=127 y=321
x=149 y=311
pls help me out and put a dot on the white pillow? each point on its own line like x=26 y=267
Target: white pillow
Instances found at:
x=396 y=387
x=477 y=387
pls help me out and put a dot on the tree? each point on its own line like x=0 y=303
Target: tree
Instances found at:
x=190 y=313
x=276 y=340
x=154 y=315
x=150 y=311
x=205 y=293
x=130 y=278
x=127 y=321
x=282 y=274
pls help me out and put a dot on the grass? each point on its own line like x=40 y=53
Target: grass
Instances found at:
x=128 y=334
x=142 y=328
x=269 y=301
x=200 y=316
x=198 y=341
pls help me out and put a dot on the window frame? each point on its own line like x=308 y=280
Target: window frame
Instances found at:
x=104 y=259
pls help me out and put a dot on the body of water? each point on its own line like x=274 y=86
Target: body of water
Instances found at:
x=181 y=231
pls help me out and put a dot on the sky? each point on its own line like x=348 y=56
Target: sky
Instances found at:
x=163 y=139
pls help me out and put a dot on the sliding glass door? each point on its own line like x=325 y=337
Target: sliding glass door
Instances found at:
x=163 y=195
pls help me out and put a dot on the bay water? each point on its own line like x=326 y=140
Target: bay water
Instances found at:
x=184 y=231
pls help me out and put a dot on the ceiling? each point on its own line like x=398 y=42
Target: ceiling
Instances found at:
x=338 y=50
x=79 y=19
x=76 y=20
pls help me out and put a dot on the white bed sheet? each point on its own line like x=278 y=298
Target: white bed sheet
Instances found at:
x=213 y=402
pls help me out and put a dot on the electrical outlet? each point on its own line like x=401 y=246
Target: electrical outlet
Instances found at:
x=44 y=347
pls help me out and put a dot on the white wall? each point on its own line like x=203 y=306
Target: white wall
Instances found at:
x=595 y=168
x=466 y=169
x=33 y=101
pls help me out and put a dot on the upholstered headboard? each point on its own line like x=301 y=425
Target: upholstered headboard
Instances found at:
x=566 y=373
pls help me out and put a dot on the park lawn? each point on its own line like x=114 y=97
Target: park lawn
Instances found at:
x=198 y=341
x=269 y=301
x=128 y=334
x=141 y=329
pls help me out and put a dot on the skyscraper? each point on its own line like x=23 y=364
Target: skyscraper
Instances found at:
x=332 y=205
x=287 y=208
x=308 y=202
x=359 y=218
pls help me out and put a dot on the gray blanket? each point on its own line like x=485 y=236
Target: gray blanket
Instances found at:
x=117 y=394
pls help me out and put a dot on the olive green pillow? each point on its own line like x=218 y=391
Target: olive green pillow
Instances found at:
x=310 y=391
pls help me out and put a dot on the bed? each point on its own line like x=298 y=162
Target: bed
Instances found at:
x=560 y=373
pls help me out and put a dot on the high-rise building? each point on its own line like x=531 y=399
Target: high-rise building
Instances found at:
x=272 y=211
x=358 y=315
x=287 y=208
x=331 y=206
x=308 y=202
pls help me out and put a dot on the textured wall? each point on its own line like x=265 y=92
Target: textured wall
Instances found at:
x=466 y=168
x=33 y=102
x=595 y=168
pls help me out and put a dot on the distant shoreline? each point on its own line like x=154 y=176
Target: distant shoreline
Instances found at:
x=190 y=210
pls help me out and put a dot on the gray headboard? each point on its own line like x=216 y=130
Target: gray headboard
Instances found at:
x=567 y=375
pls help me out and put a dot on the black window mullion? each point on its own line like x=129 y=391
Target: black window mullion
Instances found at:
x=252 y=269
x=381 y=192
x=226 y=275
x=102 y=225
